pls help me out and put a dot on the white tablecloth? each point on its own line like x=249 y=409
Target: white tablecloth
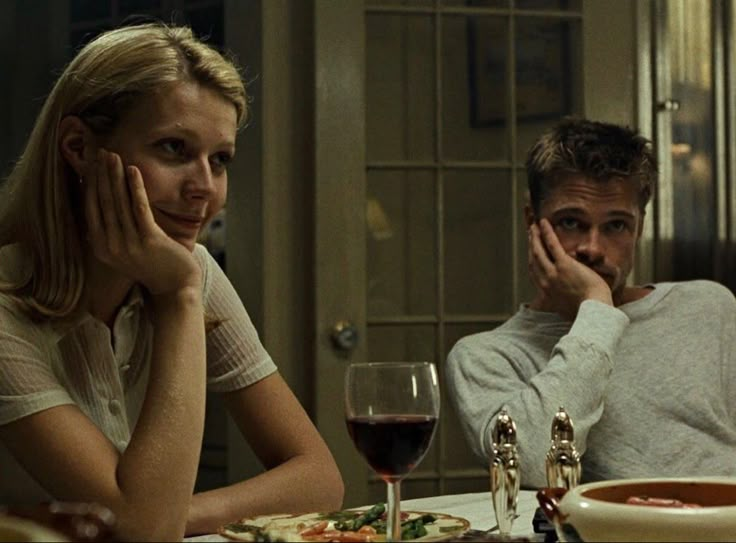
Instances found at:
x=477 y=508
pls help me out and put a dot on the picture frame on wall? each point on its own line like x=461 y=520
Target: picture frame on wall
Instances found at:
x=542 y=70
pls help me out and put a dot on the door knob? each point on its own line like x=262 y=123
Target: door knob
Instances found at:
x=344 y=336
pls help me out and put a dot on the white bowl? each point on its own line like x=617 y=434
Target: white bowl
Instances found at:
x=599 y=512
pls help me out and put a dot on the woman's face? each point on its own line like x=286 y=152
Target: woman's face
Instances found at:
x=181 y=139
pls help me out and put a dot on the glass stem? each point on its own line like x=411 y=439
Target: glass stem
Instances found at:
x=393 y=528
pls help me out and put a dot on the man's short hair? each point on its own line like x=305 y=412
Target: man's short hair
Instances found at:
x=598 y=151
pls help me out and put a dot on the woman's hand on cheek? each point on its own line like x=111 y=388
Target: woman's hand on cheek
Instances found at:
x=124 y=235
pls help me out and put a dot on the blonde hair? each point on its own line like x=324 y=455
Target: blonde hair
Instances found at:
x=39 y=204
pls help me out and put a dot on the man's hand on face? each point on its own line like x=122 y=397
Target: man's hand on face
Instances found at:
x=563 y=282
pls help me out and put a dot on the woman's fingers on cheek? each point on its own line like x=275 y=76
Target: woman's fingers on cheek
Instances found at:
x=124 y=200
x=104 y=194
x=141 y=208
x=91 y=202
x=108 y=205
x=117 y=182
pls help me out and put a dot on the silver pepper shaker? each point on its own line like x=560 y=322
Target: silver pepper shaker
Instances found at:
x=563 y=461
x=505 y=474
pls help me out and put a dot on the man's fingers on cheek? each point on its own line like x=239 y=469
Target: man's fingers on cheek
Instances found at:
x=541 y=280
x=546 y=231
x=551 y=241
x=534 y=241
x=540 y=243
x=535 y=232
x=534 y=276
x=539 y=273
x=541 y=255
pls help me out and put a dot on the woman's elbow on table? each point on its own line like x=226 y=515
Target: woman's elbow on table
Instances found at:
x=332 y=485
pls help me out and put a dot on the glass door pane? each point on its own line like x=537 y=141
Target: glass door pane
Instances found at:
x=475 y=120
x=548 y=76
x=478 y=237
x=400 y=93
x=401 y=243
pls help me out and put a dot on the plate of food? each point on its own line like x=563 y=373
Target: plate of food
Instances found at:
x=356 y=525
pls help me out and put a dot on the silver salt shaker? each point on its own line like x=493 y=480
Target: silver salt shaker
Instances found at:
x=505 y=474
x=562 y=463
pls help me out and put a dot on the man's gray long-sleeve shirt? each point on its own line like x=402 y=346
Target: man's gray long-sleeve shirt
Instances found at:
x=650 y=385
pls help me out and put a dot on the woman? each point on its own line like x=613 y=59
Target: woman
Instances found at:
x=113 y=320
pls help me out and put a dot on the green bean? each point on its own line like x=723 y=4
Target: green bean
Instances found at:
x=410 y=529
x=414 y=529
x=370 y=516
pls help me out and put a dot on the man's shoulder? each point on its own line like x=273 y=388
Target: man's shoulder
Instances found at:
x=699 y=288
x=697 y=296
x=518 y=329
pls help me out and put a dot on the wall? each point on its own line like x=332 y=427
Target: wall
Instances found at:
x=616 y=57
x=33 y=47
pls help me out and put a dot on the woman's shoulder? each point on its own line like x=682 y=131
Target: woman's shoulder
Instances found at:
x=206 y=263
x=18 y=327
x=209 y=269
x=13 y=264
x=13 y=314
x=201 y=257
x=17 y=321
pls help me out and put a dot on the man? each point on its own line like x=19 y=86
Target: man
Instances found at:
x=647 y=373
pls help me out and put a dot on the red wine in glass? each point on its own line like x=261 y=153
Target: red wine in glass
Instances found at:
x=391 y=410
x=392 y=444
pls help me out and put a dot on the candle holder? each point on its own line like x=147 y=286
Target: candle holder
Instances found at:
x=504 y=472
x=562 y=463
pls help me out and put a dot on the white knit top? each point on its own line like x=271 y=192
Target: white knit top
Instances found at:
x=81 y=361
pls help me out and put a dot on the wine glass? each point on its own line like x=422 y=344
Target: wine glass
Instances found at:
x=391 y=410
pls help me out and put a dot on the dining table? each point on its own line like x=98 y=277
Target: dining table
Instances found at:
x=475 y=507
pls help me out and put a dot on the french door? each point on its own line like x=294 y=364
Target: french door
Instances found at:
x=430 y=107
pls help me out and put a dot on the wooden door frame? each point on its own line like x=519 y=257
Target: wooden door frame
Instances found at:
x=339 y=196
x=269 y=232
